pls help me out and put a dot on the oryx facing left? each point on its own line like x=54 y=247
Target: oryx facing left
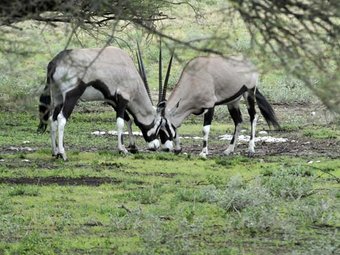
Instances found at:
x=209 y=81
x=92 y=74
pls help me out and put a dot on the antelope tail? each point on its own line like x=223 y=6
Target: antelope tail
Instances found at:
x=266 y=110
x=45 y=100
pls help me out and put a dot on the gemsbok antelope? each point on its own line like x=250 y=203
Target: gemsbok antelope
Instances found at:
x=104 y=74
x=209 y=81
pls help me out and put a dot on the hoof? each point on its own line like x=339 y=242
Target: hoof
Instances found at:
x=203 y=155
x=178 y=151
x=151 y=149
x=62 y=156
x=251 y=154
x=228 y=153
x=124 y=152
x=133 y=149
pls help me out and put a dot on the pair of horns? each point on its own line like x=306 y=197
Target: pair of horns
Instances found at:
x=142 y=71
x=162 y=89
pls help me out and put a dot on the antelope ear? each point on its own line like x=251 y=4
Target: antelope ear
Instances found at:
x=161 y=106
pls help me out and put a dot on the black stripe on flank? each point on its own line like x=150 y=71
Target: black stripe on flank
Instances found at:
x=238 y=94
x=103 y=88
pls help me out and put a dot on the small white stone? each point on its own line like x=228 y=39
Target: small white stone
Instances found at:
x=25 y=142
x=263 y=132
x=112 y=132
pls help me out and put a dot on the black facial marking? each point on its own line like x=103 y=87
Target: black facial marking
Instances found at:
x=145 y=128
x=163 y=136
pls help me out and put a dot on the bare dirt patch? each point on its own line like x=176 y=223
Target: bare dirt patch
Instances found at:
x=62 y=181
x=295 y=147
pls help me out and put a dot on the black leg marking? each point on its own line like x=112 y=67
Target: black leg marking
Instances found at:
x=121 y=106
x=236 y=115
x=72 y=97
x=251 y=109
x=208 y=116
x=252 y=114
x=56 y=111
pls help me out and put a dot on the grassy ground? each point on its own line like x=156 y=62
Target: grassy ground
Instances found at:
x=100 y=202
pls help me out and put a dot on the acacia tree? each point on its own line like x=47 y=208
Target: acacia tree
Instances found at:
x=302 y=34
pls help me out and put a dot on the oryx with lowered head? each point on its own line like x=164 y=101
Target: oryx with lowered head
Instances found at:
x=209 y=81
x=92 y=74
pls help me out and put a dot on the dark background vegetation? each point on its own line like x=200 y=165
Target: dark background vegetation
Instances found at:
x=300 y=36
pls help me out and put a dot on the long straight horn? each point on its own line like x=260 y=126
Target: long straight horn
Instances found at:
x=160 y=73
x=139 y=66
x=142 y=72
x=167 y=77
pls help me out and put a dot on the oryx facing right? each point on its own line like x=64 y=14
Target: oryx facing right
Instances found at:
x=106 y=74
x=209 y=81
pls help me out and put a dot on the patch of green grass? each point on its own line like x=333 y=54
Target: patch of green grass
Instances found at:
x=322 y=133
x=156 y=202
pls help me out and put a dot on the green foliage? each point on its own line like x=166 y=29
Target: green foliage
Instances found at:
x=325 y=133
x=226 y=33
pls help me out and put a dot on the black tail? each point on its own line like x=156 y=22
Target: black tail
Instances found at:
x=44 y=110
x=45 y=100
x=266 y=110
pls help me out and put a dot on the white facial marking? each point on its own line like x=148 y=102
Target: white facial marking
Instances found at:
x=168 y=145
x=153 y=130
x=154 y=144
